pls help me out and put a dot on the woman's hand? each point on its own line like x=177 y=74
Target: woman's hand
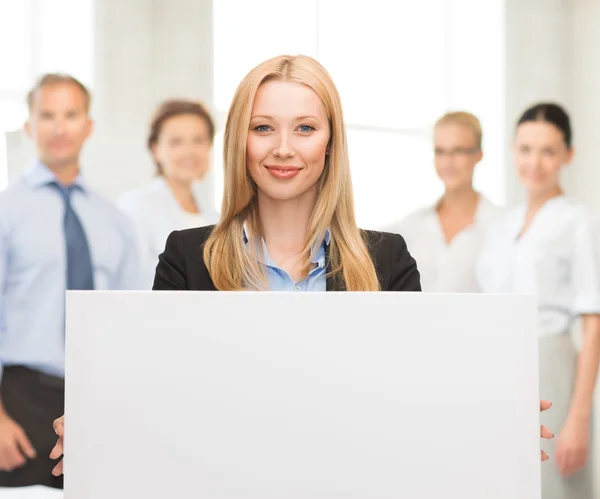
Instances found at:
x=545 y=432
x=57 y=452
x=573 y=446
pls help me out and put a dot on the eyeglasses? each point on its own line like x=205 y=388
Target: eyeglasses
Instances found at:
x=458 y=151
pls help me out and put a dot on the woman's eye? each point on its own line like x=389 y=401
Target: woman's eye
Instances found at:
x=262 y=128
x=306 y=128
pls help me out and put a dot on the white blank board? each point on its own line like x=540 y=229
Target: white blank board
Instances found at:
x=33 y=492
x=301 y=396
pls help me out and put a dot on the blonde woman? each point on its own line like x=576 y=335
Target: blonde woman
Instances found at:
x=445 y=237
x=287 y=219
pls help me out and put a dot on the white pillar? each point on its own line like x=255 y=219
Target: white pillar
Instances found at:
x=144 y=52
x=538 y=55
x=115 y=157
x=585 y=68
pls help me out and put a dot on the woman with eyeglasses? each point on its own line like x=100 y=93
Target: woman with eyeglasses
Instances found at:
x=445 y=238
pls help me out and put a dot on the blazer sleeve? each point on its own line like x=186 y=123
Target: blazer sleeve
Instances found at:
x=170 y=271
x=404 y=275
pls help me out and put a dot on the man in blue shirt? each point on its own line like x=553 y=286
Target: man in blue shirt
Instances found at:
x=55 y=234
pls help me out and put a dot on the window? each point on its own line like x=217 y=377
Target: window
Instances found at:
x=398 y=66
x=37 y=37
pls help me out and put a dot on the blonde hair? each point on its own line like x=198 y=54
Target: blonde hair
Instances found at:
x=231 y=266
x=465 y=119
x=51 y=79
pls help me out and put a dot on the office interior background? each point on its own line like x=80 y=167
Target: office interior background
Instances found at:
x=398 y=65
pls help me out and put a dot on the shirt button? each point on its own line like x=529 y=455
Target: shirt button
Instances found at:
x=296 y=288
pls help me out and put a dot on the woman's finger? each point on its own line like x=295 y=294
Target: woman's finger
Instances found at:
x=58 y=449
x=546 y=433
x=58 y=469
x=59 y=426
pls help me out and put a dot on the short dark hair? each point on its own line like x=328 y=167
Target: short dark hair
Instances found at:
x=554 y=114
x=49 y=79
x=178 y=107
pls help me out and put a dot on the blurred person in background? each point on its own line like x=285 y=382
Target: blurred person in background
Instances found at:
x=56 y=233
x=180 y=140
x=548 y=246
x=445 y=238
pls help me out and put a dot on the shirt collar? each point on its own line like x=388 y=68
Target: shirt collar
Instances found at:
x=318 y=251
x=484 y=209
x=160 y=183
x=484 y=206
x=39 y=175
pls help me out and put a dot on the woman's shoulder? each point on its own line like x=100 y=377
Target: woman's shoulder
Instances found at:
x=568 y=217
x=181 y=265
x=395 y=266
x=143 y=197
x=382 y=240
x=487 y=212
x=572 y=208
x=194 y=237
x=210 y=216
x=413 y=222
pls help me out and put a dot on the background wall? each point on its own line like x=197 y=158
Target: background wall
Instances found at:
x=551 y=53
x=145 y=52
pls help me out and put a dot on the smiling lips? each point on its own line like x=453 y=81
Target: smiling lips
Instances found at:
x=283 y=172
x=60 y=144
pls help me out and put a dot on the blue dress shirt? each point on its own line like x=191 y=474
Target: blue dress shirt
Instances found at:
x=33 y=265
x=279 y=280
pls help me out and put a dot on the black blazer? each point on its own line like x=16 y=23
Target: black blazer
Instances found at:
x=181 y=266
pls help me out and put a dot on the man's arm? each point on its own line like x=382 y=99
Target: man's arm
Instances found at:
x=15 y=447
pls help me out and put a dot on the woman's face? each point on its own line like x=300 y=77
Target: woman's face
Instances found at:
x=540 y=152
x=456 y=155
x=183 y=148
x=287 y=141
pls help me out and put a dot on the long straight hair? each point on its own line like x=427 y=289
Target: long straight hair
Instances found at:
x=230 y=264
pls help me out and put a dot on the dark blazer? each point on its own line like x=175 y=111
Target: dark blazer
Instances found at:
x=181 y=266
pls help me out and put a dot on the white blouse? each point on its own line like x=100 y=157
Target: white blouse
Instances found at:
x=445 y=268
x=557 y=258
x=156 y=213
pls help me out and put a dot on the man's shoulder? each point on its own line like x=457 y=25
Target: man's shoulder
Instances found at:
x=15 y=200
x=110 y=212
x=15 y=190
